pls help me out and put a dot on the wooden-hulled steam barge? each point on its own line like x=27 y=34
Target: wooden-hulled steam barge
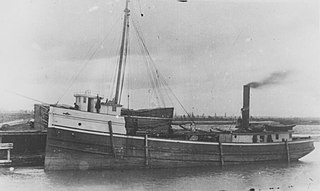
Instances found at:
x=89 y=140
x=103 y=135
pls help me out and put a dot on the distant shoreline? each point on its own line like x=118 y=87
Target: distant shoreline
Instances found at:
x=10 y=116
x=232 y=120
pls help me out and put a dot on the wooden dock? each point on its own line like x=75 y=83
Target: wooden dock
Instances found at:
x=7 y=147
x=24 y=148
x=23 y=141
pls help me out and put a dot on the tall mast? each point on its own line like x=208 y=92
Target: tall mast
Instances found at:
x=123 y=52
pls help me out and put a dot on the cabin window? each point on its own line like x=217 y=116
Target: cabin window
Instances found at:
x=254 y=139
x=235 y=136
x=269 y=139
x=290 y=135
x=261 y=138
x=84 y=100
x=277 y=136
x=114 y=108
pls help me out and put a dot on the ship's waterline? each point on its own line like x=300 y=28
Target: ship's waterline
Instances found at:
x=301 y=175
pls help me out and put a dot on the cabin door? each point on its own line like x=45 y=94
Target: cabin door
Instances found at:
x=90 y=102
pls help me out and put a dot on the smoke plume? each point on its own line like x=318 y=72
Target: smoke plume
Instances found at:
x=274 y=78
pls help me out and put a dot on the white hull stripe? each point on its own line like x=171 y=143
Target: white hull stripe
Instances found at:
x=86 y=119
x=172 y=141
x=93 y=132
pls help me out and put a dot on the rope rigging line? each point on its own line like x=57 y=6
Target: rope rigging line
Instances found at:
x=150 y=64
x=152 y=80
x=74 y=78
x=110 y=91
x=24 y=96
x=158 y=74
x=164 y=81
x=154 y=70
x=152 y=83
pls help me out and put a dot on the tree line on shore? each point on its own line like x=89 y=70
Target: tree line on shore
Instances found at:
x=282 y=120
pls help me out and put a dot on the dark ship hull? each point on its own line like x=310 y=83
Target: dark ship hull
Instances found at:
x=87 y=140
x=77 y=149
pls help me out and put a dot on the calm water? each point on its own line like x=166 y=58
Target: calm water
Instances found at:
x=303 y=175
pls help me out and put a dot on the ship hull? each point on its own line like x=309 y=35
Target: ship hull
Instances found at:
x=71 y=149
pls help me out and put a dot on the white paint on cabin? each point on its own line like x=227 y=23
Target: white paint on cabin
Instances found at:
x=110 y=109
x=241 y=138
x=260 y=138
x=61 y=117
x=282 y=136
x=87 y=102
x=225 y=138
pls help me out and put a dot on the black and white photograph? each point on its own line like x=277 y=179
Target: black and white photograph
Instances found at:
x=140 y=95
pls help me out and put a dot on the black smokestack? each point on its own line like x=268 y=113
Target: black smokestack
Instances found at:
x=246 y=106
x=274 y=78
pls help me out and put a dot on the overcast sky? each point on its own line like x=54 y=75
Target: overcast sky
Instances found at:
x=205 y=49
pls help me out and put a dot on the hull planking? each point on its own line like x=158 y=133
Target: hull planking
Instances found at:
x=73 y=148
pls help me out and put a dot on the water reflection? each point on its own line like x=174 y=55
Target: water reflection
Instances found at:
x=303 y=175
x=260 y=176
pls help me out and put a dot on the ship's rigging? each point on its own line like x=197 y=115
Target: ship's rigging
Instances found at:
x=156 y=81
x=158 y=88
